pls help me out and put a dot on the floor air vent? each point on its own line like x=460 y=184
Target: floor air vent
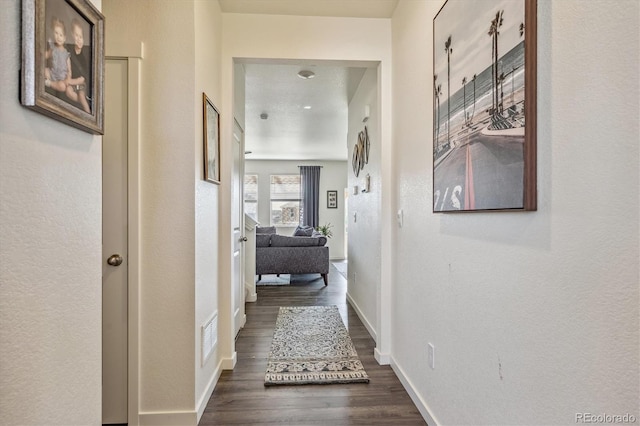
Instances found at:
x=209 y=338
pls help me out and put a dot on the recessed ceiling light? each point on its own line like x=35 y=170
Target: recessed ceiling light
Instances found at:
x=307 y=107
x=306 y=74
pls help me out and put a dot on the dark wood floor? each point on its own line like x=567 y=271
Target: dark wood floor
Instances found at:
x=240 y=397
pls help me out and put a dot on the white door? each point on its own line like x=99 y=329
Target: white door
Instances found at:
x=114 y=245
x=237 y=224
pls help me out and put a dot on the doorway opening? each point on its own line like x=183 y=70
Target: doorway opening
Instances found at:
x=291 y=121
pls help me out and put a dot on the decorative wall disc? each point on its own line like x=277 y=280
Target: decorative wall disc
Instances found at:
x=361 y=152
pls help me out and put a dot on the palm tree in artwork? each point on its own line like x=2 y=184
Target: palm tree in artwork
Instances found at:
x=501 y=78
x=464 y=99
x=494 y=32
x=449 y=50
x=437 y=89
x=474 y=98
x=513 y=77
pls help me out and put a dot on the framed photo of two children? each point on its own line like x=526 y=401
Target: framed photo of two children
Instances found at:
x=63 y=61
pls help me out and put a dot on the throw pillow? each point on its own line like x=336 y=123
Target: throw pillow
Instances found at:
x=303 y=231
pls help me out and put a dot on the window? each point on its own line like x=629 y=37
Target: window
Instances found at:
x=251 y=196
x=285 y=200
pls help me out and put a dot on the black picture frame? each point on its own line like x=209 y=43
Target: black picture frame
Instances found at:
x=484 y=106
x=332 y=199
x=211 y=133
x=62 y=73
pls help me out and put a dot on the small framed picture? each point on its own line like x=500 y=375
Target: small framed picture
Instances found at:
x=63 y=61
x=211 y=133
x=332 y=199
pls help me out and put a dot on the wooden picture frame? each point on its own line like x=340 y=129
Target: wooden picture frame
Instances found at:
x=211 y=132
x=62 y=72
x=484 y=106
x=332 y=199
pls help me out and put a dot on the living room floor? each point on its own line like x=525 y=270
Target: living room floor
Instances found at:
x=240 y=397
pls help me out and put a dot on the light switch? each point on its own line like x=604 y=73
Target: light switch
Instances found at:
x=355 y=217
x=400 y=218
x=431 y=350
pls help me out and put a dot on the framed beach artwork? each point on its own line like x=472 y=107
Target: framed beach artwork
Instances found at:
x=63 y=61
x=211 y=133
x=484 y=106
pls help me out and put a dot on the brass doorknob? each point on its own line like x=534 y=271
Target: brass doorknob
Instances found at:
x=114 y=260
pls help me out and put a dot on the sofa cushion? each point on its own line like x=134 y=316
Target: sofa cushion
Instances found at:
x=265 y=229
x=263 y=240
x=285 y=241
x=303 y=231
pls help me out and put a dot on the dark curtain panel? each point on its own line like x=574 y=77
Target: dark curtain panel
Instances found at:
x=310 y=195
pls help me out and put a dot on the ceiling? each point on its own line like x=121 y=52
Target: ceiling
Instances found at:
x=291 y=132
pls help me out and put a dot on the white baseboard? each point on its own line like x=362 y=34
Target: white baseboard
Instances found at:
x=383 y=359
x=202 y=404
x=362 y=317
x=250 y=293
x=168 y=418
x=408 y=386
x=229 y=363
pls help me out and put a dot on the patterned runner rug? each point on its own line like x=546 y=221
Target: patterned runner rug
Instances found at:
x=311 y=345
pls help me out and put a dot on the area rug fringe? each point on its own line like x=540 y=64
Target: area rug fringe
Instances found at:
x=311 y=345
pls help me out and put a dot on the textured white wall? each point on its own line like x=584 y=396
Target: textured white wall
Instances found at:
x=50 y=257
x=271 y=36
x=180 y=211
x=333 y=176
x=208 y=39
x=176 y=280
x=365 y=239
x=238 y=94
x=534 y=316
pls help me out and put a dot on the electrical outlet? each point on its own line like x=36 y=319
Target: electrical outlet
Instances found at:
x=432 y=356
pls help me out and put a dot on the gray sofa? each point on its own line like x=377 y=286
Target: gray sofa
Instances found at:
x=281 y=254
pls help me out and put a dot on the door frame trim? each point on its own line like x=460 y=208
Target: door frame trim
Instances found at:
x=241 y=245
x=134 y=68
